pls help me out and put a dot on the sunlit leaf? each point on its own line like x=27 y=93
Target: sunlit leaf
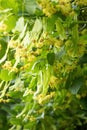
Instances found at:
x=60 y=29
x=5 y=75
x=19 y=25
x=30 y=6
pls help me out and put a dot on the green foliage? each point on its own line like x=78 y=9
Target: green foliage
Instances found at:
x=5 y=75
x=43 y=65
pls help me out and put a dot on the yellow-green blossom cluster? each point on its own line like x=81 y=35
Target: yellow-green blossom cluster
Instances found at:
x=41 y=98
x=81 y=2
x=3 y=27
x=47 y=7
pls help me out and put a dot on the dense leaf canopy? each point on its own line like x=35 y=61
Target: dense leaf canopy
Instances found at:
x=43 y=64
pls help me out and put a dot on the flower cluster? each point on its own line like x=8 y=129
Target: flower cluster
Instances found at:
x=41 y=99
x=82 y=2
x=3 y=27
x=48 y=7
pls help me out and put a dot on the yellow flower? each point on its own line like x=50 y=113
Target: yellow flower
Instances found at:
x=14 y=69
x=66 y=9
x=47 y=7
x=26 y=66
x=58 y=43
x=7 y=65
x=4 y=100
x=39 y=44
x=78 y=96
x=3 y=27
x=13 y=43
x=53 y=81
x=21 y=52
x=39 y=98
x=32 y=118
x=31 y=58
x=1 y=100
x=40 y=110
x=7 y=100
x=82 y=2
x=63 y=1
x=44 y=98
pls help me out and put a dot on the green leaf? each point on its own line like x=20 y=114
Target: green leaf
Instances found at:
x=39 y=84
x=16 y=121
x=46 y=78
x=11 y=4
x=84 y=103
x=10 y=22
x=23 y=32
x=37 y=26
x=5 y=75
x=60 y=29
x=19 y=84
x=76 y=85
x=75 y=33
x=60 y=54
x=51 y=58
x=36 y=30
x=30 y=6
x=83 y=59
x=3 y=47
x=83 y=38
x=49 y=23
x=26 y=40
x=5 y=11
x=19 y=25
